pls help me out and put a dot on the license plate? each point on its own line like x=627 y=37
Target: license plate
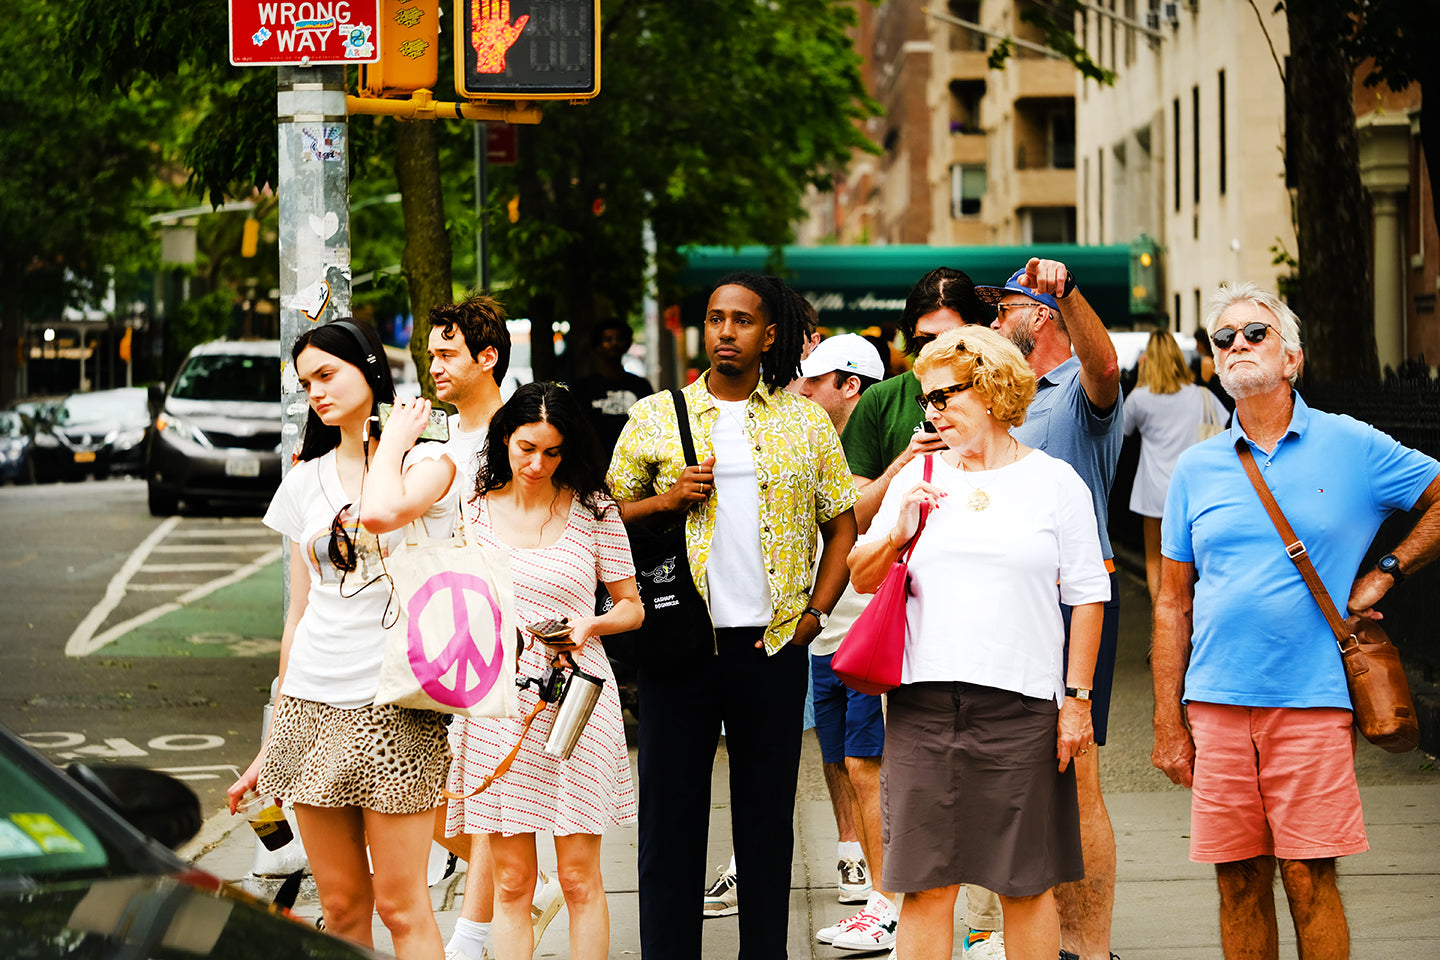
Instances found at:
x=242 y=467
x=84 y=456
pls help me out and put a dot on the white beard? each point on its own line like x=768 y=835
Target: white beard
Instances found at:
x=1249 y=381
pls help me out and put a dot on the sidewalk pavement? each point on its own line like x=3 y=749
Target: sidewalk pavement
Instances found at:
x=1165 y=906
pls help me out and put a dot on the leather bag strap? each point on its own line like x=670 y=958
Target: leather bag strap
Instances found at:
x=682 y=419
x=924 y=514
x=504 y=766
x=1294 y=546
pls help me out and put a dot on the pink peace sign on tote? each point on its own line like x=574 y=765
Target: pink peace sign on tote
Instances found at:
x=461 y=655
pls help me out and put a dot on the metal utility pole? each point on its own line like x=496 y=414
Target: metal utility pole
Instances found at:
x=314 y=225
x=482 y=195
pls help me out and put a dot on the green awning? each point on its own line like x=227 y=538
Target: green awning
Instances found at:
x=858 y=286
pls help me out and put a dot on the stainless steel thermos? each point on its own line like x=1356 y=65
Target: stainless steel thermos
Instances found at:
x=577 y=702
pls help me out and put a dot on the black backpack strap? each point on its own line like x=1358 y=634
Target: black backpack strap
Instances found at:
x=682 y=417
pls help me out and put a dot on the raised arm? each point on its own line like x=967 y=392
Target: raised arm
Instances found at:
x=1099 y=367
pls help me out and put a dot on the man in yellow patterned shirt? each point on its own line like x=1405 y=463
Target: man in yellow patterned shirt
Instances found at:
x=771 y=474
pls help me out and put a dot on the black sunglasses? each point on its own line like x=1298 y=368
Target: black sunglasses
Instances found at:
x=1254 y=332
x=342 y=545
x=938 y=398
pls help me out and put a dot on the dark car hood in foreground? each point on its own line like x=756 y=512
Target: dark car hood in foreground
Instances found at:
x=170 y=917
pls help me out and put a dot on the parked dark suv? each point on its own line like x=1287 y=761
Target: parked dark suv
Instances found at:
x=216 y=432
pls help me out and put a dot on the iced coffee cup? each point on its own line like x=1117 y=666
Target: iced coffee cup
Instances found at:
x=266 y=819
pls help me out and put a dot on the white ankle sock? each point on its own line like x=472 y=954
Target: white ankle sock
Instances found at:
x=732 y=864
x=469 y=937
x=849 y=848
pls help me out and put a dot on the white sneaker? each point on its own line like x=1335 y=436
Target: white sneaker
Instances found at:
x=722 y=899
x=854 y=880
x=870 y=930
x=984 y=945
x=828 y=934
x=545 y=906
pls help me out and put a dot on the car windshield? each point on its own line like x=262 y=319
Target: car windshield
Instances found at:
x=127 y=406
x=242 y=377
x=39 y=833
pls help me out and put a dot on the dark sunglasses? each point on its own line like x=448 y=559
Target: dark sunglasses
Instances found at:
x=342 y=546
x=938 y=398
x=1254 y=333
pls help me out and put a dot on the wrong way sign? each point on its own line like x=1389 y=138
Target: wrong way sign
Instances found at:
x=268 y=33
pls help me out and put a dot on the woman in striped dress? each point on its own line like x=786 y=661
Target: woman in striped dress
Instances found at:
x=541 y=497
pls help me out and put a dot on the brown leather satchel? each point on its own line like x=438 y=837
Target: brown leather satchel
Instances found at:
x=1379 y=693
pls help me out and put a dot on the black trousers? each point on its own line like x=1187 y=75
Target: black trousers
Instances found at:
x=761 y=701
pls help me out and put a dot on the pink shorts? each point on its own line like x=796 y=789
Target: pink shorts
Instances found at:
x=1273 y=781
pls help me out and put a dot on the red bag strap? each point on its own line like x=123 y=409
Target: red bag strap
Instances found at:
x=909 y=547
x=1294 y=546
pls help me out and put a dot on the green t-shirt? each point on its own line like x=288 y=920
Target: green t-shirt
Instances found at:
x=882 y=424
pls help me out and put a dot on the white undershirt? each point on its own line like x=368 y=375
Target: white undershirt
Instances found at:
x=739 y=590
x=466 y=449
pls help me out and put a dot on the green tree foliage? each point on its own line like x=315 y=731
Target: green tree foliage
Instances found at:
x=714 y=117
x=74 y=171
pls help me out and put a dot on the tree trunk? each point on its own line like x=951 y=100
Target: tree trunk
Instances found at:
x=426 y=259
x=1333 y=215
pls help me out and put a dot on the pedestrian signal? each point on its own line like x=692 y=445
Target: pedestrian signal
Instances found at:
x=527 y=49
x=409 y=50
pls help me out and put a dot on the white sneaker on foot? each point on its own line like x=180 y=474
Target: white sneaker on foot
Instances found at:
x=870 y=930
x=854 y=880
x=722 y=899
x=828 y=934
x=547 y=903
x=984 y=945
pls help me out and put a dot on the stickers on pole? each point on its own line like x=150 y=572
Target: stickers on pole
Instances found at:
x=268 y=33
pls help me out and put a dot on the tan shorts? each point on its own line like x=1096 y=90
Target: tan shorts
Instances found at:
x=1273 y=781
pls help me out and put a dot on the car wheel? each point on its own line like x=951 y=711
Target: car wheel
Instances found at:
x=163 y=503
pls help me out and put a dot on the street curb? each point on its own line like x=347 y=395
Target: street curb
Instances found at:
x=211 y=834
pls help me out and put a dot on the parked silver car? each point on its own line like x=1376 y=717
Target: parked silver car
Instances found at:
x=216 y=432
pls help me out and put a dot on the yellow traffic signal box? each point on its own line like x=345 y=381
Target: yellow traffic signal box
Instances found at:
x=409 y=50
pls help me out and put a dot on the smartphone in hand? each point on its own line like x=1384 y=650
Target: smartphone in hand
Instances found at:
x=437 y=429
x=553 y=632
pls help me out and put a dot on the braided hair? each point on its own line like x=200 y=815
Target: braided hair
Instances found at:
x=785 y=310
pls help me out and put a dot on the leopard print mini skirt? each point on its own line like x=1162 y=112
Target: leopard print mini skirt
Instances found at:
x=388 y=759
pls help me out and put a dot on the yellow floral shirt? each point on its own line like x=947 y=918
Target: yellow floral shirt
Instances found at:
x=800 y=467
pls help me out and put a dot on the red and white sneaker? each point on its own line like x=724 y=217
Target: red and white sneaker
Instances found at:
x=870 y=930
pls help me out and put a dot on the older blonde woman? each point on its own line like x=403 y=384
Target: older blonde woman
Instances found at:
x=976 y=784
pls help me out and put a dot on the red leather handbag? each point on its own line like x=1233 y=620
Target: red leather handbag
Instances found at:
x=872 y=654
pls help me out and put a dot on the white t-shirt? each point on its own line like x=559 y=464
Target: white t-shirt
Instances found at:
x=466 y=450
x=984 y=607
x=339 y=642
x=1168 y=424
x=739 y=590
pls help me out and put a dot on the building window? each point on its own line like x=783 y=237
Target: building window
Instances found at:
x=1175 y=126
x=1129 y=33
x=967 y=186
x=1114 y=34
x=1049 y=224
x=965 y=97
x=1180 y=324
x=1100 y=190
x=1221 y=105
x=1085 y=192
x=1062 y=138
x=1195 y=138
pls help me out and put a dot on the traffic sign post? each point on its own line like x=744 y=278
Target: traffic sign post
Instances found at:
x=270 y=33
x=527 y=49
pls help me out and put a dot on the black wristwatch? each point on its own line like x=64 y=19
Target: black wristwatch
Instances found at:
x=1078 y=693
x=1069 y=284
x=1388 y=564
x=819 y=615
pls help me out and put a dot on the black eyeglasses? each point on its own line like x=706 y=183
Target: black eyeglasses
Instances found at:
x=939 y=398
x=920 y=341
x=1254 y=332
x=342 y=545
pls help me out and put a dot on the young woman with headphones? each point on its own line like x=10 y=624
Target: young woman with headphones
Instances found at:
x=355 y=771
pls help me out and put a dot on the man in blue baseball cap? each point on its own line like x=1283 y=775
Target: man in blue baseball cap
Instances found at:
x=1075 y=416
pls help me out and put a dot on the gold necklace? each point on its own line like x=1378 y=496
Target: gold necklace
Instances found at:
x=979 y=499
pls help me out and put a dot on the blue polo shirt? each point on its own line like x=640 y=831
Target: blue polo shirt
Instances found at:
x=1259 y=638
x=1065 y=424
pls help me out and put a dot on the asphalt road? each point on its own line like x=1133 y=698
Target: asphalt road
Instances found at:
x=85 y=565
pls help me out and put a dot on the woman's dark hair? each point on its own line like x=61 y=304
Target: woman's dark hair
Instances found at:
x=785 y=310
x=580 y=469
x=942 y=288
x=358 y=345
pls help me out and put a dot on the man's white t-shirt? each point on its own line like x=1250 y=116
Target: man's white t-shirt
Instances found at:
x=466 y=450
x=739 y=590
x=340 y=640
x=984 y=607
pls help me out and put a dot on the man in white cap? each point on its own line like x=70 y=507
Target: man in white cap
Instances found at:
x=850 y=725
